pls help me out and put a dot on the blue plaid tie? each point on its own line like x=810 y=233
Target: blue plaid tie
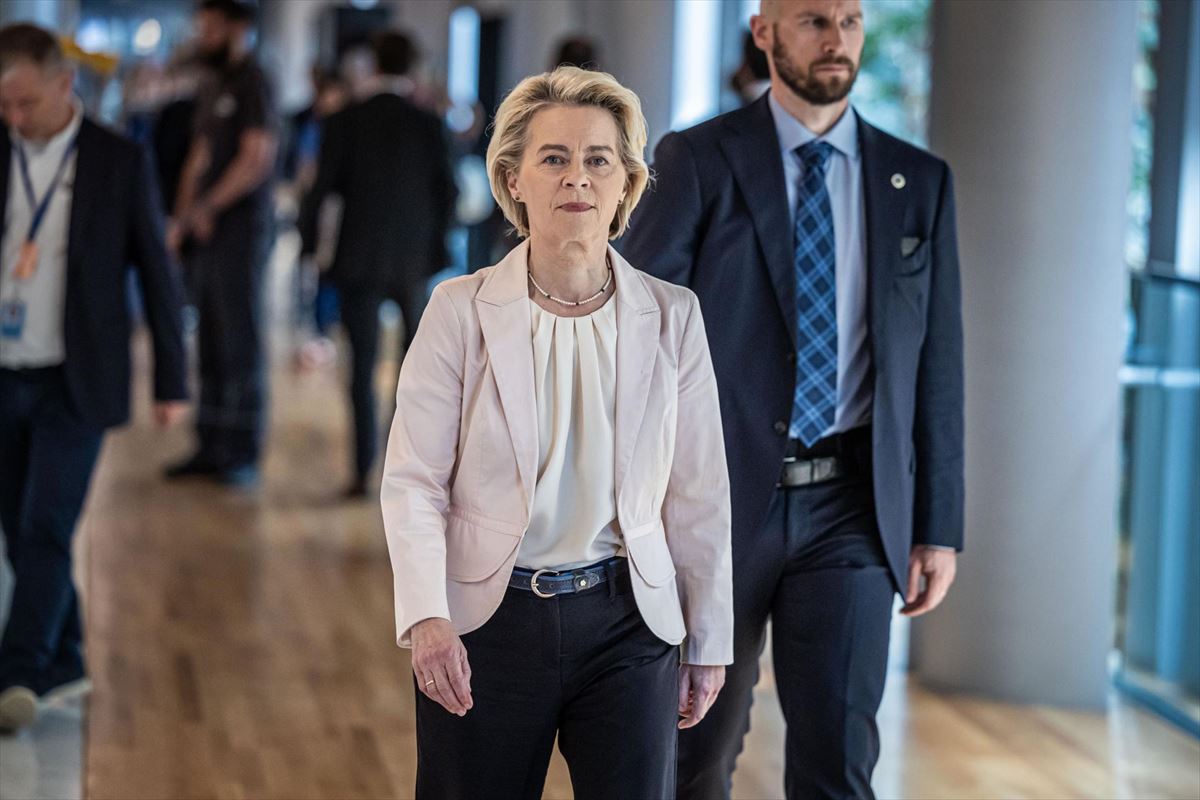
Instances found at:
x=816 y=300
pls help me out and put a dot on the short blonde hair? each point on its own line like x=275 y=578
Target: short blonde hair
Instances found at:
x=568 y=86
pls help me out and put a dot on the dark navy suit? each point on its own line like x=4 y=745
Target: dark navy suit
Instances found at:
x=52 y=419
x=822 y=561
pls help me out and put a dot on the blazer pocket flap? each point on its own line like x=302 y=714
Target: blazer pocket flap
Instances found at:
x=650 y=556
x=913 y=257
x=474 y=551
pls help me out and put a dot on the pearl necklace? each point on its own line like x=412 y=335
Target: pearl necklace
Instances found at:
x=549 y=296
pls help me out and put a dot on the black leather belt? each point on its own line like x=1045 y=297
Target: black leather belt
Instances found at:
x=835 y=456
x=548 y=583
x=806 y=472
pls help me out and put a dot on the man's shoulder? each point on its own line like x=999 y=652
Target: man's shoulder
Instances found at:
x=111 y=143
x=720 y=126
x=876 y=140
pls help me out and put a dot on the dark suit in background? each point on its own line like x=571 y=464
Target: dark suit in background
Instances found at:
x=389 y=162
x=52 y=418
x=822 y=561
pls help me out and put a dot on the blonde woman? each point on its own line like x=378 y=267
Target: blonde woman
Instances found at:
x=555 y=490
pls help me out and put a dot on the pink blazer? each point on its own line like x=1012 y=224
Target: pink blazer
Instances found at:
x=461 y=461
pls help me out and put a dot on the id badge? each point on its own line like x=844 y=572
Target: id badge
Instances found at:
x=12 y=318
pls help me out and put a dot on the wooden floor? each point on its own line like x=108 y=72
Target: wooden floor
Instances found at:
x=242 y=646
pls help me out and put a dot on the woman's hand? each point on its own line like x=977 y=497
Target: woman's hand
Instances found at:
x=698 y=689
x=439 y=661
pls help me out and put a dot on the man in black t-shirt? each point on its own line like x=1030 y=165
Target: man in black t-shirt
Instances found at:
x=224 y=208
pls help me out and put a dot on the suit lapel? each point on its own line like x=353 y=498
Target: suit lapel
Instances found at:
x=88 y=183
x=885 y=207
x=5 y=161
x=753 y=154
x=638 y=323
x=504 y=321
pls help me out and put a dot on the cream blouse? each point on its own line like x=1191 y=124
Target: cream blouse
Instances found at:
x=574 y=502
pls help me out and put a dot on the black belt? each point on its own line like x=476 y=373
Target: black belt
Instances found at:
x=549 y=583
x=830 y=458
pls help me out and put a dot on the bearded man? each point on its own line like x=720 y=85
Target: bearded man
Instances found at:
x=823 y=252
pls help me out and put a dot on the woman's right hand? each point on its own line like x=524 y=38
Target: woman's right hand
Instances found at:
x=439 y=660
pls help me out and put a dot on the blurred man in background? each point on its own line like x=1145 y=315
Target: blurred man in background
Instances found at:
x=224 y=207
x=79 y=205
x=825 y=258
x=389 y=161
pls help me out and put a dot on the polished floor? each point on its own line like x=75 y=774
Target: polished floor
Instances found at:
x=241 y=646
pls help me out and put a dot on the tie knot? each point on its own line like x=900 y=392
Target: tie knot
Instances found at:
x=815 y=155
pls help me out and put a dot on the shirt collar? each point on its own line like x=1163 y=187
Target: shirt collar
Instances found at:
x=792 y=132
x=58 y=141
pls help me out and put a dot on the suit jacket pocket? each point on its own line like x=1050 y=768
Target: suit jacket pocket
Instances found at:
x=916 y=261
x=649 y=553
x=477 y=546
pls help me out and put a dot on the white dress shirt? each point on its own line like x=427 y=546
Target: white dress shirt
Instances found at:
x=41 y=342
x=843 y=178
x=573 y=522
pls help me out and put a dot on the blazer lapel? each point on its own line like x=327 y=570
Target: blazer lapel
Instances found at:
x=88 y=183
x=638 y=322
x=753 y=154
x=5 y=161
x=885 y=207
x=504 y=322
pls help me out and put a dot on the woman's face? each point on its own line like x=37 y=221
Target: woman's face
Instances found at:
x=570 y=178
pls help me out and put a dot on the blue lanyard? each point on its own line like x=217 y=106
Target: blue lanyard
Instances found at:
x=39 y=209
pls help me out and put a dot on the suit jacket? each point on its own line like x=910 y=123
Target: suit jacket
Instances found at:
x=389 y=161
x=116 y=220
x=718 y=221
x=461 y=462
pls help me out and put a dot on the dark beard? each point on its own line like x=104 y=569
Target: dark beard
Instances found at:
x=217 y=59
x=805 y=84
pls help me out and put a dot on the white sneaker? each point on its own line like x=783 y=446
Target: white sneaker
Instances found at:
x=18 y=708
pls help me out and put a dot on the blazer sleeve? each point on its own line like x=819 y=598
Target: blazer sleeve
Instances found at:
x=421 y=453
x=330 y=166
x=665 y=229
x=160 y=281
x=696 y=508
x=938 y=428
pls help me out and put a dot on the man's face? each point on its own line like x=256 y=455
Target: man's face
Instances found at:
x=213 y=34
x=814 y=46
x=35 y=100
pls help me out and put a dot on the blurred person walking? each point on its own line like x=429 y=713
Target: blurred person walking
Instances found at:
x=224 y=208
x=79 y=204
x=389 y=161
x=824 y=254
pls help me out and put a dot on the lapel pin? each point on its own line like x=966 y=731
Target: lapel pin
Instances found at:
x=898 y=181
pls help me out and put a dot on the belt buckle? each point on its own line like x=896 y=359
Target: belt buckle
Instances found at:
x=533 y=583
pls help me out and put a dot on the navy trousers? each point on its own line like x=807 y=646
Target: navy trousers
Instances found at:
x=817 y=570
x=47 y=454
x=580 y=666
x=360 y=318
x=227 y=278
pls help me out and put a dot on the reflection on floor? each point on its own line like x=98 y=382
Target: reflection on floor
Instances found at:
x=47 y=760
x=241 y=645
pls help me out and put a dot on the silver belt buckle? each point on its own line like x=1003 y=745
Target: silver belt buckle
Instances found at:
x=823 y=469
x=533 y=583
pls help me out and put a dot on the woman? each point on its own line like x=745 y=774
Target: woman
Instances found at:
x=557 y=419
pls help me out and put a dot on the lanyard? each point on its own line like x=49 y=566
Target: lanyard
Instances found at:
x=39 y=209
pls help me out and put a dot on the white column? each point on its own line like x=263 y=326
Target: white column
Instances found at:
x=1031 y=106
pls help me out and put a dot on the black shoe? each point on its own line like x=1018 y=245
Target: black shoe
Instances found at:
x=243 y=476
x=194 y=467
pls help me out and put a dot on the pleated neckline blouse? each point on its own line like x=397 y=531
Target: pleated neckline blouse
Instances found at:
x=574 y=502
